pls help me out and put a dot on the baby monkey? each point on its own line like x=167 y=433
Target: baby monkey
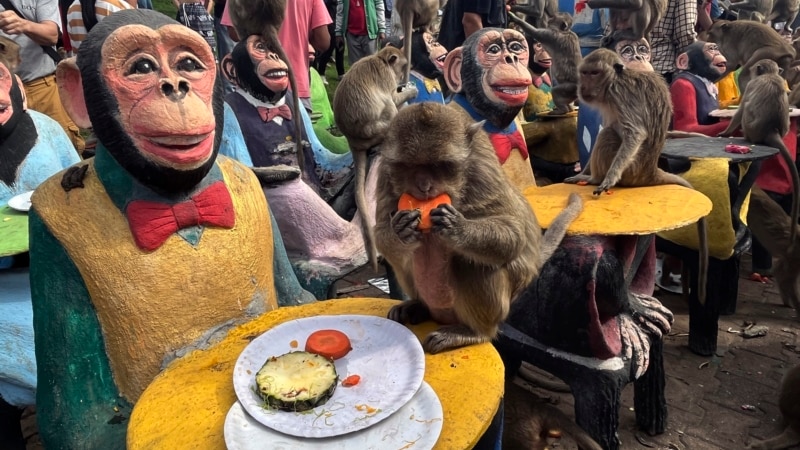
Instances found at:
x=482 y=246
x=636 y=108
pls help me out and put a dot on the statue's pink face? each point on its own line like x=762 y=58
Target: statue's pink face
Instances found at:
x=6 y=107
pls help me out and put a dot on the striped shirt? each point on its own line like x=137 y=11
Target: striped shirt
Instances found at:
x=102 y=8
x=672 y=34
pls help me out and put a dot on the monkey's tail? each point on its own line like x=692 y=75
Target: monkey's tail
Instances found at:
x=554 y=419
x=408 y=26
x=360 y=161
x=773 y=140
x=556 y=231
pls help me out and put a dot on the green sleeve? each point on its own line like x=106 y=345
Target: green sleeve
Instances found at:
x=77 y=402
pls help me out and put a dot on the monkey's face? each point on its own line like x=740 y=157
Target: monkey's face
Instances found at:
x=169 y=75
x=436 y=52
x=766 y=66
x=714 y=57
x=502 y=58
x=427 y=55
x=541 y=56
x=426 y=181
x=6 y=85
x=269 y=68
x=597 y=72
x=634 y=54
x=396 y=60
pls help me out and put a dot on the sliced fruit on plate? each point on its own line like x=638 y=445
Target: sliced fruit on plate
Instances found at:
x=332 y=344
x=296 y=381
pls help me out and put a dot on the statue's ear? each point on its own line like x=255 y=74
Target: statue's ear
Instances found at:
x=22 y=92
x=229 y=69
x=682 y=61
x=452 y=69
x=70 y=89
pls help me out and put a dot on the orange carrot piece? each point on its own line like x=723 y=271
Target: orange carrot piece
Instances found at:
x=332 y=344
x=351 y=381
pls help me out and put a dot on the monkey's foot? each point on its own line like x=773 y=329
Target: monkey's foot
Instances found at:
x=451 y=336
x=579 y=178
x=410 y=311
x=605 y=186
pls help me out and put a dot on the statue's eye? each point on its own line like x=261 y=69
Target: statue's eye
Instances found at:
x=493 y=49
x=143 y=66
x=516 y=47
x=189 y=65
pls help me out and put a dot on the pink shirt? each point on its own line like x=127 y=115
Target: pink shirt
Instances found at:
x=302 y=16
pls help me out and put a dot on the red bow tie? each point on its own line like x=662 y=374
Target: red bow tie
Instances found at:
x=504 y=143
x=152 y=223
x=267 y=114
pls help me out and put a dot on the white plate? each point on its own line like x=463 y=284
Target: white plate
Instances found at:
x=419 y=422
x=21 y=202
x=386 y=355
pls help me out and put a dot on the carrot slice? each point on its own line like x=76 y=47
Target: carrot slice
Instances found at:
x=351 y=381
x=407 y=201
x=332 y=344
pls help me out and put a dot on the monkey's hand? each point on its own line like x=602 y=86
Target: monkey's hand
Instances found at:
x=578 y=178
x=445 y=218
x=405 y=92
x=405 y=223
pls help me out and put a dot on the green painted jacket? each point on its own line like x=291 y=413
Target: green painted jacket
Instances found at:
x=376 y=17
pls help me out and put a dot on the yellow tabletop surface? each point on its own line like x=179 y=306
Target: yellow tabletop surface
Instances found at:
x=625 y=211
x=185 y=406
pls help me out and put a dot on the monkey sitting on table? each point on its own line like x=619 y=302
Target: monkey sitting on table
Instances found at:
x=465 y=261
x=176 y=244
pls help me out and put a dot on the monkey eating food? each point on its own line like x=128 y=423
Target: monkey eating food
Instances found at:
x=564 y=47
x=484 y=246
x=366 y=100
x=636 y=111
x=763 y=116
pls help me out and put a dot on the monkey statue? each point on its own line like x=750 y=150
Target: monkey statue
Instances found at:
x=693 y=92
x=489 y=78
x=482 y=244
x=320 y=243
x=427 y=65
x=9 y=54
x=745 y=42
x=33 y=147
x=176 y=244
x=790 y=410
x=366 y=101
x=565 y=48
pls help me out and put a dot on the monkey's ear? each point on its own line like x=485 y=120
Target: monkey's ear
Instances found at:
x=473 y=128
x=618 y=67
x=229 y=69
x=452 y=69
x=70 y=89
x=682 y=61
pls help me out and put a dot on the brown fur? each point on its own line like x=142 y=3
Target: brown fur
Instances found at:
x=755 y=10
x=790 y=410
x=264 y=18
x=564 y=47
x=538 y=12
x=636 y=108
x=640 y=16
x=483 y=249
x=364 y=104
x=9 y=53
x=415 y=14
x=745 y=42
x=768 y=223
x=527 y=421
x=784 y=11
x=763 y=115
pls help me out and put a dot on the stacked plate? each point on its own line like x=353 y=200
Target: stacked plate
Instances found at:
x=390 y=407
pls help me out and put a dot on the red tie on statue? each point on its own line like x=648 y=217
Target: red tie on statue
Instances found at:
x=503 y=144
x=267 y=114
x=152 y=223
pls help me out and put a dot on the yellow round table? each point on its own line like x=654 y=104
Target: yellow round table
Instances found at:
x=185 y=406
x=623 y=211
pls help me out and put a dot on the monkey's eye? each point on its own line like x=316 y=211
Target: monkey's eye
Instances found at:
x=643 y=50
x=189 y=65
x=516 y=47
x=143 y=66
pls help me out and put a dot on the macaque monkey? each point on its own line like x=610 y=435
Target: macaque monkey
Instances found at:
x=564 y=47
x=767 y=221
x=264 y=18
x=638 y=16
x=528 y=421
x=9 y=53
x=744 y=43
x=537 y=12
x=415 y=14
x=763 y=116
x=365 y=103
x=636 y=110
x=790 y=410
x=479 y=249
x=754 y=10
x=784 y=11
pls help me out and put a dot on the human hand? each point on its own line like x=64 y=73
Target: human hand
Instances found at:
x=11 y=23
x=381 y=36
x=339 y=42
